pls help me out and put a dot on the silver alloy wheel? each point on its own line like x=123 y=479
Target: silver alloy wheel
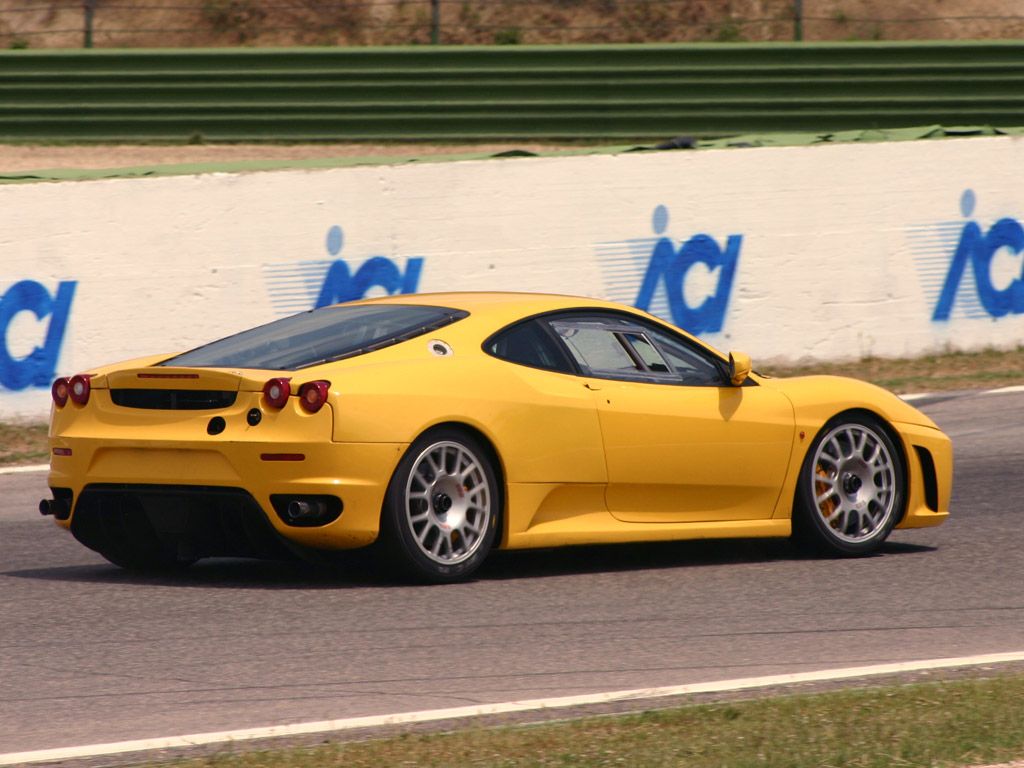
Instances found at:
x=854 y=479
x=448 y=502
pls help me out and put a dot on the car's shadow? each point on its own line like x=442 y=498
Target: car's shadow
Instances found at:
x=661 y=555
x=362 y=569
x=220 y=573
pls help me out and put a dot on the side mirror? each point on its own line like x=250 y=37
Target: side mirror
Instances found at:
x=739 y=368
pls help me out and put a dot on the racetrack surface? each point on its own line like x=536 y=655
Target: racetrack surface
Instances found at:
x=89 y=653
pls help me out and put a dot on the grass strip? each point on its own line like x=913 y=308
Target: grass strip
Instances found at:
x=963 y=723
x=942 y=372
x=23 y=443
x=26 y=443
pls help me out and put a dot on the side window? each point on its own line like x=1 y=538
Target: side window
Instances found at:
x=529 y=344
x=631 y=349
x=693 y=367
x=595 y=348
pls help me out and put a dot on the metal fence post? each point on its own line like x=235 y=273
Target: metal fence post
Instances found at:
x=435 y=22
x=89 y=6
x=798 y=20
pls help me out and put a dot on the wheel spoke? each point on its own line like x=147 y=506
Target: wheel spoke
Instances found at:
x=422 y=537
x=834 y=444
x=839 y=518
x=434 y=465
x=877 y=459
x=851 y=523
x=850 y=444
x=830 y=514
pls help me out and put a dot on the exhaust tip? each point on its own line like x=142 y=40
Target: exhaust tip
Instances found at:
x=58 y=508
x=299 y=510
x=306 y=511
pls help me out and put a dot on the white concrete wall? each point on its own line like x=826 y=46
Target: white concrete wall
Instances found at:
x=835 y=251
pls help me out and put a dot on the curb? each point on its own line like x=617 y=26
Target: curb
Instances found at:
x=24 y=469
x=917 y=397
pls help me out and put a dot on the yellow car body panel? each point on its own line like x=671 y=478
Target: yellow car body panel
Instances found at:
x=672 y=451
x=580 y=460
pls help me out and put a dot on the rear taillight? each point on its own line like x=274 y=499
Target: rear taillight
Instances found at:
x=59 y=391
x=78 y=388
x=276 y=392
x=313 y=395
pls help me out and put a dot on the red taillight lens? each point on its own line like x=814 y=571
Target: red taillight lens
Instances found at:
x=59 y=391
x=313 y=395
x=277 y=391
x=78 y=389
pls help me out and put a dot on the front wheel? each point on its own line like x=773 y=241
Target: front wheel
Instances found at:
x=852 y=488
x=441 y=511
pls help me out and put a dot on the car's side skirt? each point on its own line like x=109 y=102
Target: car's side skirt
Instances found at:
x=595 y=525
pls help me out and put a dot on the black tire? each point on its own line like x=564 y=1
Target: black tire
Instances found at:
x=852 y=488
x=442 y=508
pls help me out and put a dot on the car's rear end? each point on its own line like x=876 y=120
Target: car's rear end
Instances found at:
x=155 y=465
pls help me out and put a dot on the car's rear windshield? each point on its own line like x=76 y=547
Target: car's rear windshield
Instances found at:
x=319 y=336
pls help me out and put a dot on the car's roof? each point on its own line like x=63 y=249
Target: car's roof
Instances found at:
x=497 y=304
x=491 y=310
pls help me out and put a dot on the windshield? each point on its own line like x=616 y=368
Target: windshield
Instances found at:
x=319 y=336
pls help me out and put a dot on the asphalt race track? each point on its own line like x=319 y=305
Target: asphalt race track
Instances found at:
x=89 y=653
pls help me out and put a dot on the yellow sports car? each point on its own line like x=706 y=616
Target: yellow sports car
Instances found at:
x=444 y=425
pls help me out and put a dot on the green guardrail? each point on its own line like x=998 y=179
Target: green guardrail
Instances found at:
x=471 y=93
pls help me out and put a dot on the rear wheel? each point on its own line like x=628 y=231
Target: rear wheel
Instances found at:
x=441 y=511
x=852 y=488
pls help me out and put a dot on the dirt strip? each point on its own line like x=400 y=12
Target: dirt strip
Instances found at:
x=30 y=157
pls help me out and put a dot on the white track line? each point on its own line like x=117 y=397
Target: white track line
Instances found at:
x=26 y=468
x=1004 y=390
x=997 y=391
x=352 y=723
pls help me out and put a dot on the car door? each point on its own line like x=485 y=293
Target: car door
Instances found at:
x=681 y=443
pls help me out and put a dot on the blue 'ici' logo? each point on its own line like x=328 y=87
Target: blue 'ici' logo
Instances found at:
x=37 y=369
x=977 y=249
x=340 y=284
x=670 y=265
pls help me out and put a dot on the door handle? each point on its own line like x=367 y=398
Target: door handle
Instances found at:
x=591 y=387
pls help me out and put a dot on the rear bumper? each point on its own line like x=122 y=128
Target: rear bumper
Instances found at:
x=929 y=457
x=357 y=473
